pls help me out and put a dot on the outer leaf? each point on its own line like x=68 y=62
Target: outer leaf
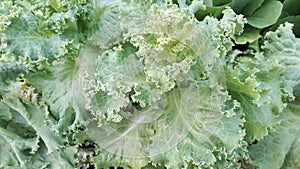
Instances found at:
x=39 y=34
x=60 y=89
x=107 y=160
x=295 y=20
x=266 y=15
x=271 y=151
x=254 y=84
x=250 y=35
x=105 y=26
x=26 y=140
x=291 y=7
x=292 y=158
x=283 y=46
x=13 y=148
x=9 y=71
x=63 y=158
x=209 y=10
x=24 y=38
x=34 y=116
x=246 y=7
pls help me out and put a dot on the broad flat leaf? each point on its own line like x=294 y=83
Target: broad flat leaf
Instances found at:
x=250 y=34
x=246 y=7
x=291 y=8
x=220 y=2
x=266 y=15
x=209 y=10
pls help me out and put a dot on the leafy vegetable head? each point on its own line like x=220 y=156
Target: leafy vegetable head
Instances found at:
x=146 y=84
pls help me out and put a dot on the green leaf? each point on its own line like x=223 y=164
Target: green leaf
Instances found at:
x=26 y=139
x=220 y=2
x=295 y=20
x=250 y=34
x=23 y=37
x=282 y=45
x=241 y=85
x=254 y=84
x=105 y=24
x=246 y=7
x=61 y=90
x=9 y=72
x=34 y=31
x=63 y=158
x=209 y=10
x=272 y=151
x=107 y=160
x=15 y=150
x=34 y=116
x=292 y=157
x=265 y=15
x=291 y=8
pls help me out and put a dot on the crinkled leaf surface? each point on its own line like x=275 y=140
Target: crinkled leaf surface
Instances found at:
x=254 y=84
x=9 y=72
x=60 y=89
x=148 y=84
x=37 y=123
x=162 y=82
x=36 y=34
x=278 y=150
x=21 y=145
x=105 y=25
x=283 y=46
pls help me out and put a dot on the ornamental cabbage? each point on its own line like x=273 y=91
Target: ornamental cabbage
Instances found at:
x=148 y=84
